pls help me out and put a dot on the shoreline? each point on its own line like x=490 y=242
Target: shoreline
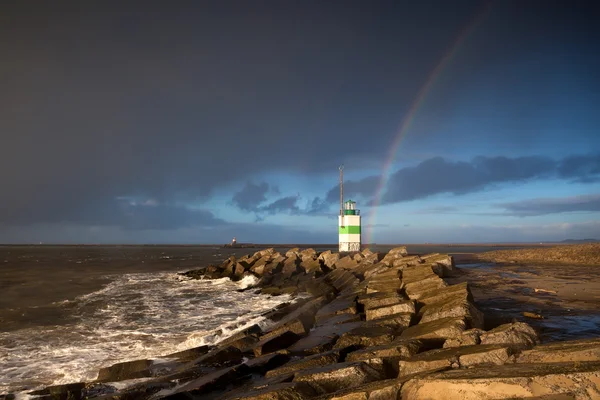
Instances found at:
x=373 y=323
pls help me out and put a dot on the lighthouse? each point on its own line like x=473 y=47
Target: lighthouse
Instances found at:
x=349 y=221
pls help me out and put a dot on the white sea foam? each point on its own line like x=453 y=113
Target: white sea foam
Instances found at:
x=136 y=316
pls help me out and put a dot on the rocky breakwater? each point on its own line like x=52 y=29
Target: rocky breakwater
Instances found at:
x=364 y=326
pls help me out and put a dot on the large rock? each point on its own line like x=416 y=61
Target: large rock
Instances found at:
x=338 y=306
x=378 y=390
x=278 y=342
x=328 y=258
x=290 y=267
x=267 y=362
x=333 y=377
x=379 y=299
x=280 y=391
x=125 y=370
x=416 y=289
x=205 y=384
x=366 y=337
x=374 y=269
x=299 y=321
x=467 y=338
x=317 y=360
x=401 y=349
x=517 y=333
x=311 y=266
x=455 y=308
x=219 y=357
x=547 y=381
x=458 y=357
x=570 y=351
x=439 y=295
x=405 y=307
x=189 y=354
x=346 y=262
x=294 y=252
x=70 y=391
x=398 y=322
x=437 y=331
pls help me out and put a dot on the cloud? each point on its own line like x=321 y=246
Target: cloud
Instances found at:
x=584 y=169
x=543 y=206
x=251 y=196
x=118 y=212
x=438 y=175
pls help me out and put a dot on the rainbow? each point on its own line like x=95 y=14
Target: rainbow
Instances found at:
x=412 y=112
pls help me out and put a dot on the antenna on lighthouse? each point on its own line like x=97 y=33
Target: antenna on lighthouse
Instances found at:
x=342 y=192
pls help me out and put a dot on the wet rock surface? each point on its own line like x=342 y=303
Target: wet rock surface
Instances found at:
x=363 y=326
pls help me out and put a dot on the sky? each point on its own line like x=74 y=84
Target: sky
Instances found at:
x=193 y=122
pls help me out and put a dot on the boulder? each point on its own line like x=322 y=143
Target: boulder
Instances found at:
x=398 y=322
x=457 y=357
x=317 y=360
x=271 y=344
x=299 y=321
x=455 y=308
x=323 y=337
x=333 y=377
x=329 y=259
x=467 y=338
x=345 y=281
x=308 y=254
x=125 y=370
x=294 y=252
x=267 y=362
x=380 y=299
x=550 y=381
x=517 y=333
x=405 y=307
x=290 y=267
x=378 y=390
x=340 y=305
x=70 y=391
x=219 y=357
x=279 y=391
x=439 y=295
x=375 y=269
x=437 y=331
x=399 y=251
x=205 y=384
x=189 y=354
x=366 y=336
x=311 y=266
x=347 y=263
x=569 y=351
x=398 y=348
x=416 y=289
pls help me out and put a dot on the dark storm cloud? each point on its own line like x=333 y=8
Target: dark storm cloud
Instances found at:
x=527 y=208
x=120 y=213
x=251 y=196
x=105 y=100
x=438 y=175
x=101 y=100
x=583 y=169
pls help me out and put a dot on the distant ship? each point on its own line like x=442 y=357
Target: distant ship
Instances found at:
x=234 y=244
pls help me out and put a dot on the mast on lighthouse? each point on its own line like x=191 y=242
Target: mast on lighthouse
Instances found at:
x=349 y=222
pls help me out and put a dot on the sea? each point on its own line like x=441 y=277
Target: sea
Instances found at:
x=67 y=311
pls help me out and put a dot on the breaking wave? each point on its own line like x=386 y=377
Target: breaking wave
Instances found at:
x=136 y=316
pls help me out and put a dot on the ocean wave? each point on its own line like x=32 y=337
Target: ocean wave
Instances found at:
x=135 y=316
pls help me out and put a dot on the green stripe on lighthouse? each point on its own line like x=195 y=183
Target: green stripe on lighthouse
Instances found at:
x=349 y=230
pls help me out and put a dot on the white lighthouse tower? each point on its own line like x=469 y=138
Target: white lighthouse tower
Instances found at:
x=349 y=221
